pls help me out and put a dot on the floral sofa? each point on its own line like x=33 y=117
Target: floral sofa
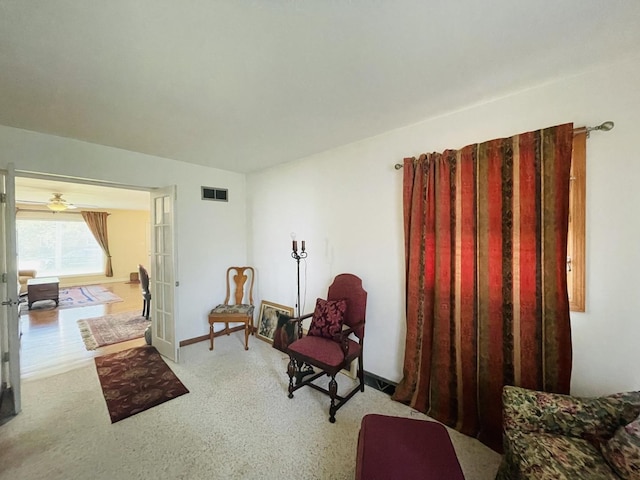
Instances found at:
x=551 y=436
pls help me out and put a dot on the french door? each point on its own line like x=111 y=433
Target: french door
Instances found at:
x=9 y=313
x=163 y=270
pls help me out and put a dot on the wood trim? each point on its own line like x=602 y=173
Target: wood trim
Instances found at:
x=576 y=244
x=204 y=338
x=191 y=341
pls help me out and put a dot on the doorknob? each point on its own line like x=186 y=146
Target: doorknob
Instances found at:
x=10 y=302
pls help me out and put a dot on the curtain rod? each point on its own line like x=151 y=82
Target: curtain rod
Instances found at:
x=605 y=127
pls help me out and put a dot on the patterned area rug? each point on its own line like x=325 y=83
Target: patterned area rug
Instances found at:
x=79 y=297
x=109 y=329
x=135 y=380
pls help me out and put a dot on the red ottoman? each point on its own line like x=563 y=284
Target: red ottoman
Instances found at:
x=405 y=448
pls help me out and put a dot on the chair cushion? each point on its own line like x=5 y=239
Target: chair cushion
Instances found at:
x=543 y=456
x=327 y=318
x=622 y=451
x=241 y=309
x=322 y=352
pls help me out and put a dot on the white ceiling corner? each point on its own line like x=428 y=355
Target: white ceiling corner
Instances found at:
x=244 y=85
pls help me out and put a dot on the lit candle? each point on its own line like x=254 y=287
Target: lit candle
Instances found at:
x=303 y=245
x=295 y=245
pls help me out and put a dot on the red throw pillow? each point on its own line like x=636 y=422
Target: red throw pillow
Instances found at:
x=327 y=318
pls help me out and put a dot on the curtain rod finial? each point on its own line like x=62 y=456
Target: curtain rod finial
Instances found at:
x=397 y=166
x=605 y=127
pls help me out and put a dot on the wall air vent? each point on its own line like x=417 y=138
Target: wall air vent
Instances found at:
x=217 y=194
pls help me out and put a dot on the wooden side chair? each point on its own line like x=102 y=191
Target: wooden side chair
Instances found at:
x=239 y=311
x=144 y=289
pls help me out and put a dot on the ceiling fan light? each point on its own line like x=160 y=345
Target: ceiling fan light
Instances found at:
x=56 y=207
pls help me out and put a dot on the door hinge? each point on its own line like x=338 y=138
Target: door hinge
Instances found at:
x=5 y=357
x=4 y=278
x=3 y=198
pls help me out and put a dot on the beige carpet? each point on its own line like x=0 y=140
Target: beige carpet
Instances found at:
x=237 y=423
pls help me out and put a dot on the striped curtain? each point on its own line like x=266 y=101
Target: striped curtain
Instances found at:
x=487 y=304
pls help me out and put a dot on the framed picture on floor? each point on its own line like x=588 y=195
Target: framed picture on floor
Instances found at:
x=352 y=370
x=268 y=319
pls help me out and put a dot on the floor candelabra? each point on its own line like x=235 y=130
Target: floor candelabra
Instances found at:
x=304 y=369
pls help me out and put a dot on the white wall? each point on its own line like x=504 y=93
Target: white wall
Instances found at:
x=210 y=235
x=347 y=204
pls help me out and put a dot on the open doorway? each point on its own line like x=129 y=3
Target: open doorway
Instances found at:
x=56 y=244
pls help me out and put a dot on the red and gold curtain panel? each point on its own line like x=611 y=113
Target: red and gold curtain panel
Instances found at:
x=487 y=305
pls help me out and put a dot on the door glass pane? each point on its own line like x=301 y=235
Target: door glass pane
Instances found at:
x=159 y=244
x=168 y=267
x=160 y=274
x=167 y=297
x=169 y=331
x=166 y=210
x=157 y=216
x=160 y=324
x=166 y=235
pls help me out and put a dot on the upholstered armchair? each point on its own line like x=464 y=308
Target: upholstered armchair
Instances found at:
x=334 y=340
x=23 y=277
x=552 y=436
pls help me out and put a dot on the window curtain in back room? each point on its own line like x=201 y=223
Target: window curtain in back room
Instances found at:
x=97 y=223
x=487 y=304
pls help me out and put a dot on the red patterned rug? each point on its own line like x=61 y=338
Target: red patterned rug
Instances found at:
x=135 y=380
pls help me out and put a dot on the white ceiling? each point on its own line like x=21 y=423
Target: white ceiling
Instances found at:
x=245 y=84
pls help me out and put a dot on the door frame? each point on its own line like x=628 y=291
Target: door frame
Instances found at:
x=14 y=353
x=10 y=316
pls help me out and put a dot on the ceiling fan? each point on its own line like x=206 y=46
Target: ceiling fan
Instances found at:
x=59 y=204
